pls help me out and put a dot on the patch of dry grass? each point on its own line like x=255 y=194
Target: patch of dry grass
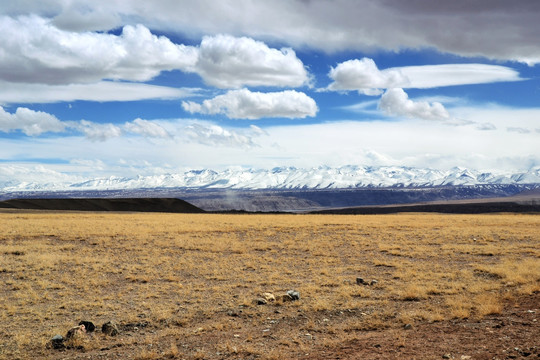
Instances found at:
x=184 y=273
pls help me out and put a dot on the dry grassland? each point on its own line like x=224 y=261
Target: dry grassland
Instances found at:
x=183 y=286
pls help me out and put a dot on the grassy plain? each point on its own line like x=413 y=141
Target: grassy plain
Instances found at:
x=184 y=285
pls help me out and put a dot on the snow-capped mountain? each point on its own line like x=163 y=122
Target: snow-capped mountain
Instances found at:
x=345 y=177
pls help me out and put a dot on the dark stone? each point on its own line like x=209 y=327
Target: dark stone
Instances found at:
x=360 y=281
x=374 y=282
x=285 y=298
x=261 y=301
x=110 y=328
x=90 y=327
x=57 y=342
x=407 y=327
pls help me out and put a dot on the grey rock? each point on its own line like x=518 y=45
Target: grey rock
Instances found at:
x=295 y=295
x=110 y=328
x=360 y=281
x=373 y=282
x=447 y=356
x=407 y=327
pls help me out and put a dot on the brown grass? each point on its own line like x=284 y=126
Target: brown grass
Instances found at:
x=183 y=275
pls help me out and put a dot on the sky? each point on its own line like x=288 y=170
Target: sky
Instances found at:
x=123 y=88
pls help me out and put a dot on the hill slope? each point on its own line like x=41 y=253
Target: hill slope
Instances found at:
x=132 y=204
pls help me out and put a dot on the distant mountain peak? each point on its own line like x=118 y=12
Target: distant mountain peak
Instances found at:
x=322 y=177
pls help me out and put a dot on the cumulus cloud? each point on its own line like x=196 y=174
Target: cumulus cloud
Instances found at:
x=147 y=129
x=365 y=77
x=396 y=102
x=214 y=135
x=33 y=50
x=34 y=123
x=245 y=104
x=30 y=122
x=228 y=62
x=96 y=131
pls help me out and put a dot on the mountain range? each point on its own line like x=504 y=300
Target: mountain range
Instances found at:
x=282 y=178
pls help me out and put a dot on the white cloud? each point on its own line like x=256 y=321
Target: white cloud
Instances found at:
x=89 y=164
x=81 y=17
x=34 y=123
x=430 y=76
x=518 y=130
x=31 y=173
x=414 y=142
x=228 y=62
x=30 y=122
x=214 y=135
x=101 y=91
x=365 y=77
x=96 y=131
x=396 y=102
x=245 y=104
x=35 y=51
x=147 y=129
x=327 y=25
x=486 y=126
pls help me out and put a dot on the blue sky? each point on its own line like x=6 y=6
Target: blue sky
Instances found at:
x=104 y=88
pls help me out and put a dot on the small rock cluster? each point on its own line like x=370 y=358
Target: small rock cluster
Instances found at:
x=265 y=298
x=361 y=281
x=78 y=332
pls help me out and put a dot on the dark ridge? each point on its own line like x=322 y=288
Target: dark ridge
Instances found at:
x=461 y=208
x=171 y=205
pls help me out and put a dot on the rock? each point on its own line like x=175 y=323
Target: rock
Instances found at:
x=447 y=356
x=373 y=282
x=360 y=281
x=407 y=327
x=75 y=331
x=89 y=326
x=269 y=297
x=110 y=328
x=261 y=301
x=285 y=298
x=57 y=342
x=295 y=295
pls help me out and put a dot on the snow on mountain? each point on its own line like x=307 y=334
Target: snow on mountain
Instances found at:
x=322 y=177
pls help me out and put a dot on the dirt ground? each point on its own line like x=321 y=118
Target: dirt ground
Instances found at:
x=189 y=286
x=513 y=334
